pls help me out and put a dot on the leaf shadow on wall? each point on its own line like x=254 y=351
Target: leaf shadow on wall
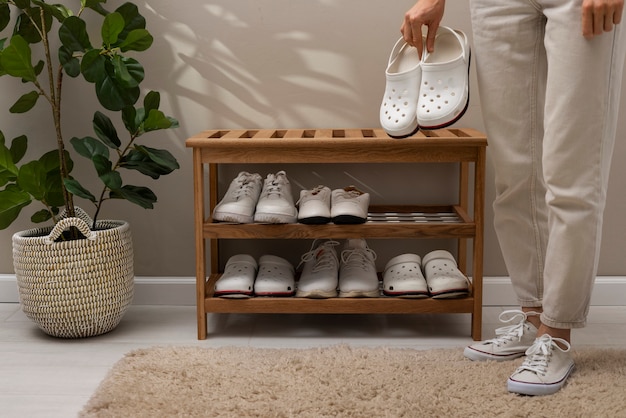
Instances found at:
x=270 y=63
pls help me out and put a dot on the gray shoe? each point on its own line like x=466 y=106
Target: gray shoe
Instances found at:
x=510 y=342
x=545 y=369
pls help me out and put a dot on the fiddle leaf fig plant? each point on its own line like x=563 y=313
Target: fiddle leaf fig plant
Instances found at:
x=40 y=44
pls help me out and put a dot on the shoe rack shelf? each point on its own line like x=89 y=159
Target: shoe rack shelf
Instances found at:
x=369 y=146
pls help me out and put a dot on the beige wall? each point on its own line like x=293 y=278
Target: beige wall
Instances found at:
x=275 y=64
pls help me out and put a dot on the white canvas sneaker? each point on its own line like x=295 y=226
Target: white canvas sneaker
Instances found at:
x=314 y=206
x=349 y=205
x=275 y=277
x=357 y=271
x=510 y=342
x=237 y=281
x=276 y=204
x=320 y=273
x=545 y=369
x=240 y=200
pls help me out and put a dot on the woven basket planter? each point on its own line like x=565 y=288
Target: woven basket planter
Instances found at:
x=75 y=288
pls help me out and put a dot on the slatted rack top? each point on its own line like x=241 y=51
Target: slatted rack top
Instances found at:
x=334 y=145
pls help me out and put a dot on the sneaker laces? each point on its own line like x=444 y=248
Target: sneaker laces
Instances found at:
x=245 y=185
x=358 y=258
x=324 y=255
x=274 y=184
x=314 y=191
x=510 y=332
x=538 y=355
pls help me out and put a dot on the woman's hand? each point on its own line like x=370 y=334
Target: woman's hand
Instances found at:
x=601 y=16
x=424 y=12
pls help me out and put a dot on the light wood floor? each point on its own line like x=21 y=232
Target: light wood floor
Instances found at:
x=41 y=376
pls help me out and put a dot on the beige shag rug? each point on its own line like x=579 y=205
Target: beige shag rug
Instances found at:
x=343 y=381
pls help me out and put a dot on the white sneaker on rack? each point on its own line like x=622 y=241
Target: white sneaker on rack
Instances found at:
x=357 y=272
x=240 y=200
x=275 y=277
x=319 y=276
x=276 y=204
x=349 y=206
x=314 y=206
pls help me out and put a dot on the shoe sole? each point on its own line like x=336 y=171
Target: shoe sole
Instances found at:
x=450 y=294
x=274 y=218
x=407 y=294
x=314 y=220
x=404 y=136
x=233 y=295
x=317 y=294
x=537 y=389
x=482 y=356
x=360 y=294
x=233 y=217
x=348 y=220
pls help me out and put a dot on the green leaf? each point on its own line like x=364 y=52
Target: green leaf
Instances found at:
x=70 y=63
x=51 y=163
x=73 y=34
x=88 y=147
x=141 y=196
x=8 y=169
x=25 y=103
x=156 y=120
x=132 y=19
x=105 y=130
x=16 y=59
x=95 y=5
x=5 y=16
x=150 y=161
x=12 y=201
x=152 y=101
x=128 y=72
x=137 y=40
x=58 y=11
x=102 y=164
x=92 y=66
x=32 y=179
x=18 y=148
x=112 y=180
x=22 y=4
x=24 y=25
x=112 y=26
x=112 y=95
x=129 y=117
x=75 y=188
x=41 y=216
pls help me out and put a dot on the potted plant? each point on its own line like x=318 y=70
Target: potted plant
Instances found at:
x=75 y=276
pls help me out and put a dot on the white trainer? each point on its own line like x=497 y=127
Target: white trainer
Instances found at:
x=357 y=271
x=510 y=342
x=237 y=281
x=276 y=204
x=403 y=277
x=314 y=206
x=545 y=369
x=275 y=277
x=320 y=273
x=349 y=205
x=240 y=200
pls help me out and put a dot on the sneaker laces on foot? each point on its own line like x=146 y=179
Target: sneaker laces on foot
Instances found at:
x=538 y=355
x=324 y=255
x=510 y=332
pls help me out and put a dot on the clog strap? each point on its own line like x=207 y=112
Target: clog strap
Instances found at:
x=460 y=36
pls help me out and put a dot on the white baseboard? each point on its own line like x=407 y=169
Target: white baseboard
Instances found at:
x=180 y=291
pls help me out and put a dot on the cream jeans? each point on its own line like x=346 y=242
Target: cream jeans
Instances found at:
x=550 y=102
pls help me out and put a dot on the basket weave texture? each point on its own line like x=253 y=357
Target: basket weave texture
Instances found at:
x=75 y=288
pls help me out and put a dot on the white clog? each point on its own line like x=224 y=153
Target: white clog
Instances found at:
x=444 y=88
x=444 y=279
x=403 y=277
x=237 y=281
x=275 y=277
x=399 y=104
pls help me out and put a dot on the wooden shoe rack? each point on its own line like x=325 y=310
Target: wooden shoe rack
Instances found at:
x=458 y=221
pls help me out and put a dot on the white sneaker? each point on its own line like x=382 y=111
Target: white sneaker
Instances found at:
x=403 y=277
x=275 y=277
x=276 y=205
x=314 y=206
x=237 y=281
x=349 y=206
x=319 y=276
x=239 y=202
x=510 y=342
x=545 y=369
x=357 y=272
